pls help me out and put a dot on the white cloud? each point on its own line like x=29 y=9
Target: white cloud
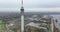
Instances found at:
x=9 y=1
x=31 y=9
x=42 y=9
x=30 y=3
x=9 y=9
x=14 y=5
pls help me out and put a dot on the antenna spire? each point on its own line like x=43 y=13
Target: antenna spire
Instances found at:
x=22 y=3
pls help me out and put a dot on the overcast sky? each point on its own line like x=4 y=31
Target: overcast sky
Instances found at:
x=30 y=5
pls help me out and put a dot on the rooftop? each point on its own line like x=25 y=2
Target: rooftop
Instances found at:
x=36 y=25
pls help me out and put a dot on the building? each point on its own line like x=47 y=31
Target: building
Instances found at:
x=35 y=27
x=39 y=23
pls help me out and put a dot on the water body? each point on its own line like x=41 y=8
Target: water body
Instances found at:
x=58 y=18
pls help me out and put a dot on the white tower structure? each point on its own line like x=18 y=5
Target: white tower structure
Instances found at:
x=22 y=17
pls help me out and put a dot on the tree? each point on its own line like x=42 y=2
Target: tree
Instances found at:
x=3 y=27
x=15 y=28
x=56 y=20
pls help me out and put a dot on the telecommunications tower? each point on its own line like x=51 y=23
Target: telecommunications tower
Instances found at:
x=22 y=16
